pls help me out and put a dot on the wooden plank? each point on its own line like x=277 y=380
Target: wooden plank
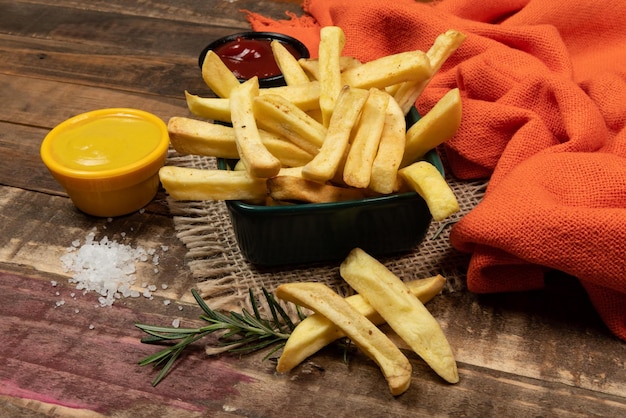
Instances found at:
x=103 y=66
x=215 y=13
x=64 y=345
x=30 y=236
x=31 y=119
x=532 y=335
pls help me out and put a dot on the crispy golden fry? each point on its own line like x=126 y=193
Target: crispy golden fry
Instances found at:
x=357 y=170
x=372 y=341
x=390 y=150
x=305 y=96
x=316 y=331
x=298 y=189
x=278 y=115
x=192 y=136
x=311 y=65
x=326 y=163
x=213 y=108
x=332 y=41
x=434 y=128
x=389 y=70
x=199 y=184
x=290 y=68
x=258 y=160
x=404 y=313
x=427 y=181
x=444 y=46
x=217 y=76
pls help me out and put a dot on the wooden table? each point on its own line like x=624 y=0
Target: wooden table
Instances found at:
x=530 y=354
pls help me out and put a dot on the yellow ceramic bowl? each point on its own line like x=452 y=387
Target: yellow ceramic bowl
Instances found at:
x=108 y=160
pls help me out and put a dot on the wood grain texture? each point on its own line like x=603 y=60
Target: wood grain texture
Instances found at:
x=528 y=354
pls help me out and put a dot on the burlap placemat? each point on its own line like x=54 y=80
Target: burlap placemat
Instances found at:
x=224 y=277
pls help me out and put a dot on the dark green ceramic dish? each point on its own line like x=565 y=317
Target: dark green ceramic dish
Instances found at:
x=307 y=233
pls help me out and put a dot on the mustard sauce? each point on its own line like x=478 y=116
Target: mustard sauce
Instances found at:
x=106 y=143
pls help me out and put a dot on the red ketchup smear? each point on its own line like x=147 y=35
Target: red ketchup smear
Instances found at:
x=247 y=58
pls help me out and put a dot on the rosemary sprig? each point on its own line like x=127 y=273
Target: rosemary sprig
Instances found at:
x=242 y=332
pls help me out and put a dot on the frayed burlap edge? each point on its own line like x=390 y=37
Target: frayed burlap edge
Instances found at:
x=224 y=277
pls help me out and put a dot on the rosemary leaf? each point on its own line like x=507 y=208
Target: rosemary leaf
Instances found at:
x=244 y=332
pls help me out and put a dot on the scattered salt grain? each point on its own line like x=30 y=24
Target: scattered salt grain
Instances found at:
x=180 y=307
x=105 y=267
x=163 y=286
x=176 y=323
x=167 y=302
x=53 y=283
x=60 y=303
x=92 y=326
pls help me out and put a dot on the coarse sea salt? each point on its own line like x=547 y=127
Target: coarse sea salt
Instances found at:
x=106 y=267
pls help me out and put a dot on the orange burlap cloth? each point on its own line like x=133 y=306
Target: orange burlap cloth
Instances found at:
x=544 y=96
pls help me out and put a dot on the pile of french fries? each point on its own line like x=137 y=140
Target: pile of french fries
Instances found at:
x=336 y=131
x=382 y=297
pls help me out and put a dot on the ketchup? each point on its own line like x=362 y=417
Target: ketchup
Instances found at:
x=247 y=58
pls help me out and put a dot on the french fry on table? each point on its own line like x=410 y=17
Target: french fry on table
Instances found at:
x=403 y=312
x=315 y=331
x=427 y=181
x=258 y=160
x=198 y=184
x=373 y=342
x=217 y=76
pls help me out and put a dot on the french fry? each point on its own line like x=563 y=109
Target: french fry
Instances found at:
x=183 y=183
x=434 y=128
x=347 y=110
x=217 y=76
x=404 y=313
x=258 y=160
x=278 y=115
x=290 y=68
x=332 y=41
x=357 y=169
x=444 y=46
x=390 y=150
x=298 y=189
x=305 y=96
x=311 y=65
x=427 y=181
x=389 y=70
x=213 y=108
x=372 y=341
x=192 y=136
x=315 y=331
